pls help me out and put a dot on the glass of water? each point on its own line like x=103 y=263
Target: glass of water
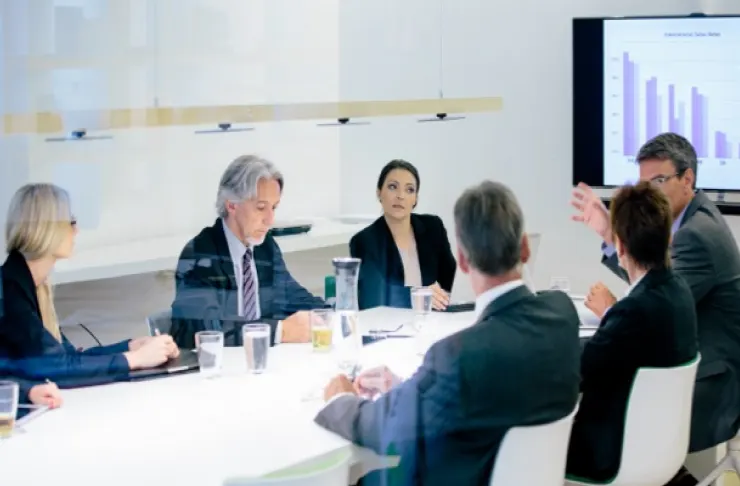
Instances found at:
x=8 y=407
x=421 y=303
x=210 y=345
x=256 y=339
x=560 y=283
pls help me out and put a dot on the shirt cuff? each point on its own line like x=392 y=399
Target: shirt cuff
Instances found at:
x=608 y=250
x=278 y=333
x=337 y=396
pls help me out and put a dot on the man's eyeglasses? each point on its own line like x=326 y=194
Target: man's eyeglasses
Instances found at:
x=662 y=179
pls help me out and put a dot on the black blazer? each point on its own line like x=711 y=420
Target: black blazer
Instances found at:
x=705 y=254
x=654 y=326
x=517 y=365
x=206 y=293
x=28 y=351
x=381 y=280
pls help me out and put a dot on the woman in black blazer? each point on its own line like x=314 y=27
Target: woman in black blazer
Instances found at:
x=653 y=326
x=400 y=249
x=41 y=230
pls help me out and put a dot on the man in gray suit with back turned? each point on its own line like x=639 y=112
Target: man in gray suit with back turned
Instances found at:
x=704 y=253
x=518 y=364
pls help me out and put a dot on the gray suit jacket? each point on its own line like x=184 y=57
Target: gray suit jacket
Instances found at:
x=705 y=254
x=518 y=365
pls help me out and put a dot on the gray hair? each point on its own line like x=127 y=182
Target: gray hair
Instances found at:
x=489 y=225
x=240 y=179
x=673 y=147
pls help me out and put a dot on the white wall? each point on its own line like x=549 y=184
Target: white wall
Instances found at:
x=521 y=51
x=73 y=56
x=138 y=53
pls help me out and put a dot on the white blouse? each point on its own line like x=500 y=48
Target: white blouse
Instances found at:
x=411 y=269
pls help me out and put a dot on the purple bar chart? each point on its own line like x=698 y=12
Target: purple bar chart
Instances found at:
x=669 y=75
x=720 y=145
x=667 y=114
x=630 y=107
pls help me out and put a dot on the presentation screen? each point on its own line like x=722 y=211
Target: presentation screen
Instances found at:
x=635 y=78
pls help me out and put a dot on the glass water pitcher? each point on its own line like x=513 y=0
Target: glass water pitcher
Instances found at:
x=347 y=332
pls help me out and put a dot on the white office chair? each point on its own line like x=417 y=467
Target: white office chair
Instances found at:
x=656 y=429
x=333 y=470
x=533 y=455
x=731 y=462
x=161 y=321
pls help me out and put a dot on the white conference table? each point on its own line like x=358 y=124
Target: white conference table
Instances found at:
x=160 y=254
x=190 y=431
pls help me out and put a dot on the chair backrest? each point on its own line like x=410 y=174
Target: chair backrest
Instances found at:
x=657 y=424
x=331 y=470
x=161 y=321
x=534 y=454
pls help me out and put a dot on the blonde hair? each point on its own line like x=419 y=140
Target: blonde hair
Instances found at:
x=38 y=221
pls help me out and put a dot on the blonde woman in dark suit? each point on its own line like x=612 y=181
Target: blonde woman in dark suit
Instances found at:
x=40 y=230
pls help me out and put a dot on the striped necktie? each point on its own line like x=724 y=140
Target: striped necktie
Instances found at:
x=249 y=285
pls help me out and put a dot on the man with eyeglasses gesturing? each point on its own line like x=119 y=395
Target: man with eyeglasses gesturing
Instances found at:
x=705 y=254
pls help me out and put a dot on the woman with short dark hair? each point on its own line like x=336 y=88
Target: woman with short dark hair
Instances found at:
x=653 y=325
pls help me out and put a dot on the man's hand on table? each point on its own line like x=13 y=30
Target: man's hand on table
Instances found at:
x=337 y=386
x=375 y=380
x=297 y=328
x=369 y=383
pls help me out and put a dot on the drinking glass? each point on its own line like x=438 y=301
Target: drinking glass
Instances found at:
x=210 y=345
x=8 y=407
x=421 y=303
x=256 y=339
x=322 y=323
x=560 y=283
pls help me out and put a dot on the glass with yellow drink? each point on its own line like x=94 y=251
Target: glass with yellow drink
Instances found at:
x=322 y=329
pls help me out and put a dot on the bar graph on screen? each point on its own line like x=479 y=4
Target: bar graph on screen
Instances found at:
x=675 y=115
x=681 y=77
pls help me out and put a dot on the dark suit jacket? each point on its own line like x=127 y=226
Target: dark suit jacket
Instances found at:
x=517 y=365
x=206 y=293
x=654 y=326
x=29 y=351
x=704 y=253
x=381 y=272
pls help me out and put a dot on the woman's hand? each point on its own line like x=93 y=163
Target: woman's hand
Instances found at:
x=599 y=299
x=440 y=298
x=47 y=394
x=152 y=353
x=138 y=343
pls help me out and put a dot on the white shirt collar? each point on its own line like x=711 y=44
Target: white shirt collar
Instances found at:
x=634 y=284
x=237 y=249
x=485 y=299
